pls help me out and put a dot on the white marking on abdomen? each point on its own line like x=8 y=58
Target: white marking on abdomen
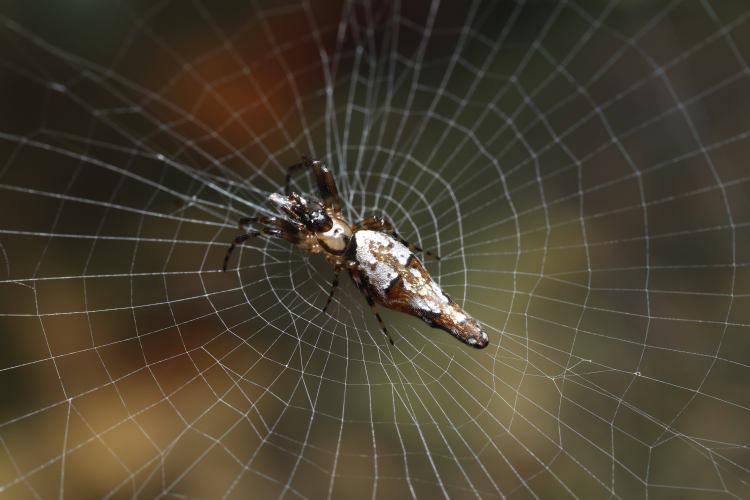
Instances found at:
x=371 y=244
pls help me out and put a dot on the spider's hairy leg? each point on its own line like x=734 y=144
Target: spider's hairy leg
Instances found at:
x=374 y=310
x=326 y=185
x=375 y=223
x=333 y=288
x=354 y=271
x=279 y=227
x=283 y=224
x=238 y=241
x=246 y=221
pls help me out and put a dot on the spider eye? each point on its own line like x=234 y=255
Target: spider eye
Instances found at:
x=319 y=221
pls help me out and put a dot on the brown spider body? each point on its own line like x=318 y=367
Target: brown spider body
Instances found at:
x=381 y=265
x=401 y=283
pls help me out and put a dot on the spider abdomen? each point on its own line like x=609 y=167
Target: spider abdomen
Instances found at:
x=398 y=281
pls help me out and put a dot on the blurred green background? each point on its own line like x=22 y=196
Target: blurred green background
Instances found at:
x=581 y=167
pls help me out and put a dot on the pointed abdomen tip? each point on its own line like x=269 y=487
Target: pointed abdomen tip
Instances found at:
x=479 y=340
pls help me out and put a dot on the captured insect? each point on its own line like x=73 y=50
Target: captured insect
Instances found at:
x=378 y=260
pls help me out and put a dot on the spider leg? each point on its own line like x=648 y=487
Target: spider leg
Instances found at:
x=374 y=310
x=283 y=224
x=353 y=269
x=333 y=287
x=238 y=241
x=246 y=221
x=375 y=223
x=284 y=229
x=326 y=185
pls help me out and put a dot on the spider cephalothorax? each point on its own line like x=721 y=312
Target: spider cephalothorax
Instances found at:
x=379 y=261
x=330 y=231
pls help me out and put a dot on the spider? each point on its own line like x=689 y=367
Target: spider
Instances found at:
x=379 y=261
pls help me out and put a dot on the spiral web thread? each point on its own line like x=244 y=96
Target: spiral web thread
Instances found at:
x=579 y=166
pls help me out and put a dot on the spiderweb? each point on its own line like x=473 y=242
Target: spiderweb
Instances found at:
x=580 y=166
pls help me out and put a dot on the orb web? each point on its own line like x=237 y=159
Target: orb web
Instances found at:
x=579 y=167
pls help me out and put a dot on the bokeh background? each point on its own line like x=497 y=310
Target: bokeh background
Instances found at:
x=581 y=167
